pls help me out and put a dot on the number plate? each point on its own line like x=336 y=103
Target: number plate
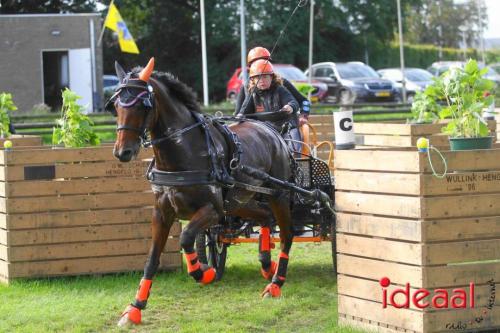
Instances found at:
x=383 y=94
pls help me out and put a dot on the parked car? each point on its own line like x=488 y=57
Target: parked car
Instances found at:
x=289 y=72
x=416 y=80
x=357 y=77
x=440 y=67
x=109 y=84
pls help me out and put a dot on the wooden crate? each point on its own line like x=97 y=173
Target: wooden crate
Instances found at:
x=19 y=140
x=403 y=135
x=75 y=211
x=396 y=220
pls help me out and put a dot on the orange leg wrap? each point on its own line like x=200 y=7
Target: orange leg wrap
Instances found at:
x=269 y=274
x=134 y=314
x=143 y=291
x=195 y=270
x=272 y=289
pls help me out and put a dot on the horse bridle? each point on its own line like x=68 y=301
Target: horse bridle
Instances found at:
x=146 y=95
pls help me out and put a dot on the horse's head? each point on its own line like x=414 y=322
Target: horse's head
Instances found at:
x=132 y=103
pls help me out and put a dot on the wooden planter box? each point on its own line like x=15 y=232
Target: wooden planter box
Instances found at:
x=396 y=220
x=19 y=140
x=75 y=211
x=403 y=135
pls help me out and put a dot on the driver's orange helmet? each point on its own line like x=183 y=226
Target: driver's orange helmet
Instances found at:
x=257 y=53
x=261 y=67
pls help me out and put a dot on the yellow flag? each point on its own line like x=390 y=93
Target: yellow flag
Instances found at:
x=115 y=22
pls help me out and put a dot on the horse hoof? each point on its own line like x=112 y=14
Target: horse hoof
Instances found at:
x=271 y=290
x=208 y=276
x=268 y=275
x=131 y=315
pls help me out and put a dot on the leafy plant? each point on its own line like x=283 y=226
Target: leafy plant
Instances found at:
x=6 y=105
x=463 y=90
x=424 y=108
x=75 y=128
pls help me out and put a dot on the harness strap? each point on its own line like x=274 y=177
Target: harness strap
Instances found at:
x=180 y=178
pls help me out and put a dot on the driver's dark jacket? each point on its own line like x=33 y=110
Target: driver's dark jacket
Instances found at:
x=271 y=100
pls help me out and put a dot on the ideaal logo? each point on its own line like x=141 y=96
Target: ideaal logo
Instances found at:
x=440 y=300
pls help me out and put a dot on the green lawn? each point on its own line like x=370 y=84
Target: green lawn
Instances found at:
x=178 y=304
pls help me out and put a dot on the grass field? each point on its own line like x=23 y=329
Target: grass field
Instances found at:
x=178 y=304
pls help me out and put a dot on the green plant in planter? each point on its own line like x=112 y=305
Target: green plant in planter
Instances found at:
x=463 y=90
x=6 y=105
x=75 y=128
x=424 y=108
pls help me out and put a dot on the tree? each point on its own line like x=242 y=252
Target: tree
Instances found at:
x=427 y=18
x=44 y=7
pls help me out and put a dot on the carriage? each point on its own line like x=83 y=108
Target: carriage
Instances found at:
x=311 y=222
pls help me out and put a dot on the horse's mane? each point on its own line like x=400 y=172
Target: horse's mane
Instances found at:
x=182 y=92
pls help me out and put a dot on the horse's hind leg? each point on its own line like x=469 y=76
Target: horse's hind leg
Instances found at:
x=280 y=207
x=203 y=218
x=161 y=223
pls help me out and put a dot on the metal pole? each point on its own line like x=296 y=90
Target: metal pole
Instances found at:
x=440 y=34
x=311 y=31
x=401 y=50
x=204 y=53
x=464 y=40
x=95 y=97
x=243 y=39
x=103 y=27
x=481 y=38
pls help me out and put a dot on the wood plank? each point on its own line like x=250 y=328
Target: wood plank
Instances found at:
x=74 y=186
x=79 y=234
x=4 y=253
x=47 y=155
x=461 y=206
x=4 y=271
x=377 y=160
x=378 y=182
x=401 y=318
x=378 y=204
x=376 y=269
x=378 y=248
x=3 y=237
x=372 y=291
x=459 y=275
x=384 y=140
x=463 y=251
x=97 y=265
x=384 y=128
x=369 y=225
x=87 y=249
x=441 y=321
x=351 y=322
x=472 y=160
x=461 y=183
x=460 y=229
x=76 y=218
x=82 y=170
x=19 y=140
x=77 y=202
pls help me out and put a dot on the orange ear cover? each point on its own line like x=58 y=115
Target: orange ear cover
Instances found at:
x=146 y=72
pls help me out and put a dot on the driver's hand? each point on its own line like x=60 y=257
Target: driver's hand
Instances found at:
x=287 y=108
x=302 y=121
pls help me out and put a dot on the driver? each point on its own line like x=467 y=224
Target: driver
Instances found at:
x=267 y=94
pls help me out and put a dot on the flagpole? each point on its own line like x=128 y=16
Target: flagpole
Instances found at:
x=104 y=26
x=204 y=53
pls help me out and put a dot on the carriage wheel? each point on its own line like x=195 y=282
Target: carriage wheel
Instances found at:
x=211 y=251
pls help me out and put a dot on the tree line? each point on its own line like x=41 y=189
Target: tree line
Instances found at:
x=344 y=30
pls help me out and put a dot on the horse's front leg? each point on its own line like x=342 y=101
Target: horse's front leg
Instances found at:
x=203 y=218
x=281 y=210
x=163 y=218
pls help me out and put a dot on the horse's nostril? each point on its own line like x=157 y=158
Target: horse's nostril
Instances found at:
x=126 y=155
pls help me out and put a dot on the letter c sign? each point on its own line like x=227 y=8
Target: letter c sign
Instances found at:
x=346 y=124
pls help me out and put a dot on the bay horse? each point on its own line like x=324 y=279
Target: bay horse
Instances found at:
x=187 y=146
